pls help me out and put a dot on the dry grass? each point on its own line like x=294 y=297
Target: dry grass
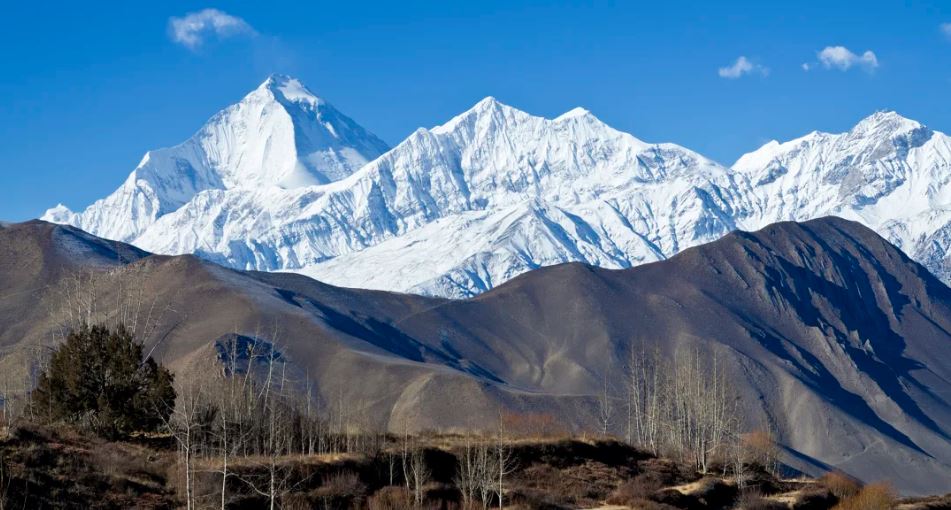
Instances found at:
x=339 y=490
x=252 y=461
x=47 y=467
x=926 y=503
x=534 y=426
x=391 y=498
x=754 y=500
x=549 y=474
x=876 y=496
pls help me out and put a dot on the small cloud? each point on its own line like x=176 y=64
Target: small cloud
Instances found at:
x=841 y=58
x=194 y=28
x=740 y=67
x=806 y=67
x=946 y=29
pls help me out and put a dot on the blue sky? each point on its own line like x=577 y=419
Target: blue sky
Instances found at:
x=86 y=90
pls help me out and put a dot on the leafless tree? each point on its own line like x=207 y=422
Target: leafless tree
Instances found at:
x=405 y=450
x=419 y=474
x=468 y=474
x=737 y=462
x=645 y=397
x=683 y=406
x=184 y=424
x=606 y=404
x=7 y=395
x=485 y=473
x=504 y=462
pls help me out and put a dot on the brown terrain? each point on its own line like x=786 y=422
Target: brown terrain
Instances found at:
x=829 y=335
x=59 y=468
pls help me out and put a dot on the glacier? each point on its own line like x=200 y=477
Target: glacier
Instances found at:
x=282 y=181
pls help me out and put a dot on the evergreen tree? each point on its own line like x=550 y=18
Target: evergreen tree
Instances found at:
x=99 y=380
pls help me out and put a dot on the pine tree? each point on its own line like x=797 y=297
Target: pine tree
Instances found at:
x=99 y=380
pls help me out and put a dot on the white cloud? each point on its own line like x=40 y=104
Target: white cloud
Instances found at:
x=194 y=28
x=841 y=58
x=946 y=30
x=740 y=67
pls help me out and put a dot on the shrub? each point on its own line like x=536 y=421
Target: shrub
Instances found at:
x=637 y=489
x=840 y=484
x=342 y=483
x=341 y=489
x=98 y=379
x=761 y=449
x=814 y=497
x=876 y=496
x=391 y=498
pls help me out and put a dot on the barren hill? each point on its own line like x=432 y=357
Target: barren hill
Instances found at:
x=828 y=333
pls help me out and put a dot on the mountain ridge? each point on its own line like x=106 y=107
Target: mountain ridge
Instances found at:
x=456 y=209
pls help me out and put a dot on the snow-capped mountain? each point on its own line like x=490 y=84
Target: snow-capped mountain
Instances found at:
x=280 y=135
x=890 y=173
x=464 y=206
x=277 y=182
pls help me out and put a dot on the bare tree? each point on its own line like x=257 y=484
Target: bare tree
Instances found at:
x=468 y=475
x=504 y=462
x=233 y=409
x=184 y=424
x=405 y=456
x=485 y=473
x=683 y=407
x=419 y=474
x=737 y=462
x=645 y=394
x=606 y=407
x=276 y=440
x=702 y=407
x=8 y=397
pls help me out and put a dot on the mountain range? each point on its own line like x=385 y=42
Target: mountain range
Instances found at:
x=828 y=334
x=282 y=181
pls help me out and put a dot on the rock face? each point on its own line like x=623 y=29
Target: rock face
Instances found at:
x=828 y=333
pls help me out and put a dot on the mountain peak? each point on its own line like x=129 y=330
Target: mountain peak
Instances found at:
x=287 y=89
x=276 y=80
x=487 y=108
x=491 y=103
x=280 y=135
x=488 y=102
x=886 y=121
x=574 y=113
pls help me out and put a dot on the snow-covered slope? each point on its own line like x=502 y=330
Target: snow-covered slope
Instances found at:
x=890 y=173
x=280 y=135
x=462 y=207
x=278 y=182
